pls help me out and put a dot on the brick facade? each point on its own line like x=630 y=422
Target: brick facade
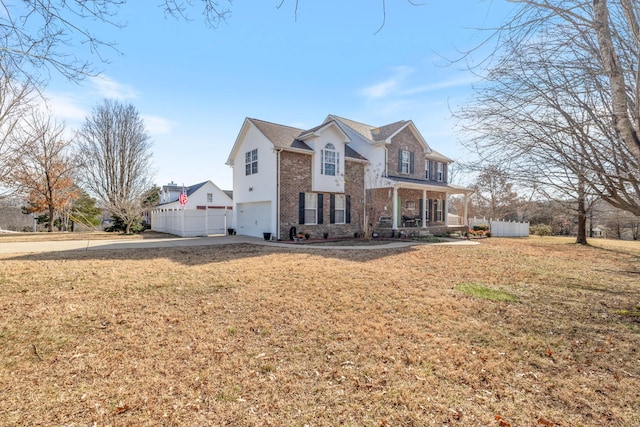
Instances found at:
x=295 y=178
x=407 y=141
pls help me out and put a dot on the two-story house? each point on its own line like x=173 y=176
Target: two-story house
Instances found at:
x=339 y=178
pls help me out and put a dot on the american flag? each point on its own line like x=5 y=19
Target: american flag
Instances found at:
x=183 y=199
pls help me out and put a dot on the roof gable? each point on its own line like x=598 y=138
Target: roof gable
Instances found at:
x=280 y=136
x=316 y=131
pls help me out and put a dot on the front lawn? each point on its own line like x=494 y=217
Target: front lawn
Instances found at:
x=249 y=335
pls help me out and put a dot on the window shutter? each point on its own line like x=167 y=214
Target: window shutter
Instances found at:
x=320 y=208
x=337 y=164
x=348 y=209
x=332 y=209
x=411 y=161
x=432 y=172
x=321 y=162
x=430 y=219
x=421 y=207
x=399 y=161
x=445 y=173
x=444 y=209
x=301 y=208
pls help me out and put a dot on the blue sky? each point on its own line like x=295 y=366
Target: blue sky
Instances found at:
x=194 y=85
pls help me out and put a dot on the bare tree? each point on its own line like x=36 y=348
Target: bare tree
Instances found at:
x=15 y=99
x=44 y=168
x=547 y=109
x=116 y=157
x=606 y=32
x=38 y=33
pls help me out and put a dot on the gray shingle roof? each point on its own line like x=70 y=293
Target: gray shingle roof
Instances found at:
x=384 y=132
x=280 y=135
x=361 y=128
x=287 y=137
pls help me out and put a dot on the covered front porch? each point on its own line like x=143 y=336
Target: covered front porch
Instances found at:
x=414 y=209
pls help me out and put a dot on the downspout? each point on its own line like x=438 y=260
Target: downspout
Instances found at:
x=277 y=234
x=386 y=163
x=364 y=207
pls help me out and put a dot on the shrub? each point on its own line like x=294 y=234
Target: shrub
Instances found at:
x=541 y=230
x=481 y=227
x=118 y=226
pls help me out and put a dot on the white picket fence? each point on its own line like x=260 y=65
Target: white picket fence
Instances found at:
x=502 y=228
x=191 y=222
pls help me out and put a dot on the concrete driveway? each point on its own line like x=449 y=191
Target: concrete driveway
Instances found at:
x=177 y=242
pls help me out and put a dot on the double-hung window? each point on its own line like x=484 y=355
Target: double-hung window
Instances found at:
x=251 y=162
x=329 y=160
x=310 y=208
x=209 y=197
x=405 y=160
x=437 y=206
x=340 y=206
x=439 y=171
x=426 y=170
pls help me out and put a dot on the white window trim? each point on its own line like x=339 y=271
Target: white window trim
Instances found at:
x=251 y=160
x=438 y=209
x=310 y=210
x=405 y=161
x=340 y=198
x=329 y=149
x=440 y=171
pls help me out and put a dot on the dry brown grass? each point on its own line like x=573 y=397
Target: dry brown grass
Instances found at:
x=253 y=335
x=89 y=235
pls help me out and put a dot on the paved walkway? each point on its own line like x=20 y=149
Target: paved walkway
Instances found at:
x=176 y=242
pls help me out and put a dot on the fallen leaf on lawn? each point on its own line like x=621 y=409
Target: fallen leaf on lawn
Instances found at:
x=544 y=422
x=502 y=422
x=122 y=409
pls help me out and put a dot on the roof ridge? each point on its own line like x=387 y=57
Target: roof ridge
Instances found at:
x=351 y=120
x=275 y=124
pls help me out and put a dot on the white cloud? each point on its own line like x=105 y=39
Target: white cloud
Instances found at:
x=156 y=125
x=464 y=81
x=109 y=88
x=66 y=107
x=388 y=86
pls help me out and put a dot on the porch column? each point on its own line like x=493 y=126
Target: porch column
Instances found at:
x=424 y=209
x=394 y=205
x=466 y=209
x=445 y=209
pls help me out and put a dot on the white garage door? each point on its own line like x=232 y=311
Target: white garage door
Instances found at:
x=254 y=218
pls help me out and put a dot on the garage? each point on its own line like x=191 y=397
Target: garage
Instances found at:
x=253 y=219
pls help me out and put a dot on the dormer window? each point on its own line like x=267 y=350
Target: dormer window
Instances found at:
x=329 y=160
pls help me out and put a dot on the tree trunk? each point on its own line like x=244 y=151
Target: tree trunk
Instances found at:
x=622 y=113
x=582 y=225
x=582 y=213
x=50 y=220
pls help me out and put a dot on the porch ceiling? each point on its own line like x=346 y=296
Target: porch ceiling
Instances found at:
x=426 y=185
